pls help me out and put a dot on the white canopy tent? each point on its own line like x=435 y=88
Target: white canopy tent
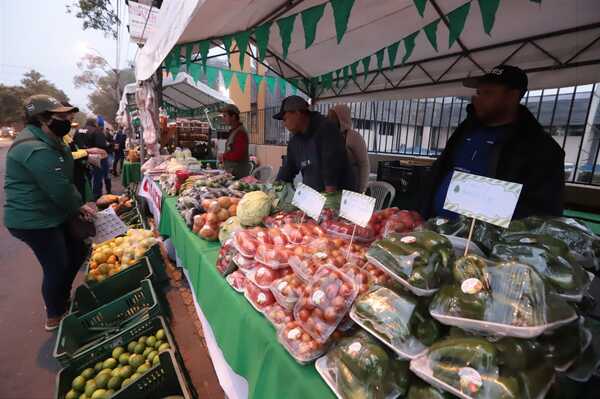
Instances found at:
x=184 y=94
x=556 y=41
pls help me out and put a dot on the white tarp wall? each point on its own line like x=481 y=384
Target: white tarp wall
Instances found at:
x=555 y=41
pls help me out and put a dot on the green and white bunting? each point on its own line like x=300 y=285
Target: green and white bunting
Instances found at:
x=310 y=20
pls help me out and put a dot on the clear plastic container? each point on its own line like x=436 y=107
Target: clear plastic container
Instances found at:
x=264 y=276
x=245 y=264
x=246 y=243
x=225 y=263
x=299 y=344
x=361 y=277
x=237 y=280
x=401 y=222
x=325 y=301
x=287 y=290
x=343 y=229
x=274 y=256
x=278 y=315
x=282 y=218
x=398 y=320
x=505 y=299
x=302 y=233
x=258 y=297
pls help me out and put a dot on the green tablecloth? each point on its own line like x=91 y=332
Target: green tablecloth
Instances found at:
x=131 y=173
x=247 y=339
x=591 y=220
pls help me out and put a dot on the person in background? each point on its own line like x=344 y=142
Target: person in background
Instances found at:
x=235 y=157
x=97 y=139
x=110 y=141
x=501 y=139
x=316 y=149
x=120 y=140
x=41 y=198
x=356 y=149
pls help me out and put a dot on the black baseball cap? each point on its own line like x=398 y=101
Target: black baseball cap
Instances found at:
x=507 y=75
x=290 y=104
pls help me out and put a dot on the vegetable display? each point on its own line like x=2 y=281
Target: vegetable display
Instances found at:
x=253 y=207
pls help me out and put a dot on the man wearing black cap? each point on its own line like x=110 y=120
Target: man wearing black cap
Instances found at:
x=501 y=139
x=316 y=149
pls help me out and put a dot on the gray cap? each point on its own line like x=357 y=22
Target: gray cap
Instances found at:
x=289 y=104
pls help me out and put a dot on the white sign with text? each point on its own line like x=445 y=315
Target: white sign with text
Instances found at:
x=309 y=201
x=357 y=208
x=108 y=226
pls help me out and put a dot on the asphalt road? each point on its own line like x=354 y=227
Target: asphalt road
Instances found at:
x=27 y=368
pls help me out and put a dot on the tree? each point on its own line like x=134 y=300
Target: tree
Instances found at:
x=11 y=105
x=96 y=14
x=96 y=74
x=34 y=83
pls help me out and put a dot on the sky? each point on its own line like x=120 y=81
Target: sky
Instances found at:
x=40 y=35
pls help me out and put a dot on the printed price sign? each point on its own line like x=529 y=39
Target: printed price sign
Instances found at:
x=108 y=226
x=309 y=201
x=482 y=198
x=357 y=208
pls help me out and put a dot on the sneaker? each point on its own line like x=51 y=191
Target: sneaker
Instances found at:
x=52 y=323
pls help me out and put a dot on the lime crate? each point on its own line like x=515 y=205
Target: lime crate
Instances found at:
x=163 y=380
x=93 y=295
x=78 y=332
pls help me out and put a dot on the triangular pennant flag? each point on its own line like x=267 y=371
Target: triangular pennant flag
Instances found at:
x=189 y=48
x=227 y=76
x=262 y=40
x=176 y=60
x=353 y=67
x=271 y=82
x=366 y=61
x=211 y=75
x=241 y=38
x=346 y=73
x=194 y=71
x=286 y=25
x=488 y=10
x=310 y=19
x=282 y=89
x=379 y=56
x=294 y=89
x=327 y=80
x=409 y=45
x=431 y=33
x=456 y=22
x=341 y=14
x=227 y=44
x=392 y=52
x=242 y=77
x=203 y=46
x=337 y=77
x=420 y=4
x=258 y=80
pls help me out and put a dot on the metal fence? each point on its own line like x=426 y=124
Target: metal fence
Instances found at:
x=421 y=127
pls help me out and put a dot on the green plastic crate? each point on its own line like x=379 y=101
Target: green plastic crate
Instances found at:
x=162 y=380
x=93 y=295
x=79 y=332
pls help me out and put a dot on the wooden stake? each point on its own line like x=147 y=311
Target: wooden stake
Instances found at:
x=350 y=245
x=469 y=238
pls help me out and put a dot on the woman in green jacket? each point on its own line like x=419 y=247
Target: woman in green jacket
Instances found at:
x=41 y=198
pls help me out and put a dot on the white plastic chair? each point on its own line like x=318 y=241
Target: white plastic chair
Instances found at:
x=383 y=192
x=263 y=174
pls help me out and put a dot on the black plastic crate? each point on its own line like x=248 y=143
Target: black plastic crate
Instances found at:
x=406 y=179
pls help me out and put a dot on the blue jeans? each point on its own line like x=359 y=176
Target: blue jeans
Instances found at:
x=60 y=257
x=98 y=176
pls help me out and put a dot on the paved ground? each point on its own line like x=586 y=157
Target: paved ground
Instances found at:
x=27 y=368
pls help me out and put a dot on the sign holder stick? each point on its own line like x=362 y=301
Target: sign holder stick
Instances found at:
x=351 y=239
x=470 y=235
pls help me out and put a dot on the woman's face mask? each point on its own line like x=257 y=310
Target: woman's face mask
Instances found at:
x=60 y=127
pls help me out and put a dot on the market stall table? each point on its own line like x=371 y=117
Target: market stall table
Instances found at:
x=131 y=173
x=246 y=338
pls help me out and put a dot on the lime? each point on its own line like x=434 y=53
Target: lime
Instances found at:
x=79 y=383
x=126 y=382
x=136 y=361
x=72 y=394
x=160 y=334
x=99 y=366
x=105 y=371
x=88 y=373
x=151 y=341
x=125 y=371
x=100 y=394
x=110 y=363
x=115 y=371
x=156 y=360
x=142 y=340
x=164 y=347
x=102 y=380
x=124 y=358
x=118 y=351
x=142 y=369
x=115 y=382
x=134 y=377
x=158 y=343
x=139 y=348
x=151 y=355
x=147 y=351
x=90 y=387
x=131 y=346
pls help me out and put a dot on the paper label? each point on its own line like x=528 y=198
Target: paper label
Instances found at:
x=357 y=208
x=281 y=286
x=320 y=255
x=440 y=222
x=318 y=297
x=409 y=239
x=527 y=240
x=294 y=333
x=470 y=380
x=354 y=348
x=471 y=286
x=108 y=226
x=261 y=298
x=490 y=200
x=309 y=201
